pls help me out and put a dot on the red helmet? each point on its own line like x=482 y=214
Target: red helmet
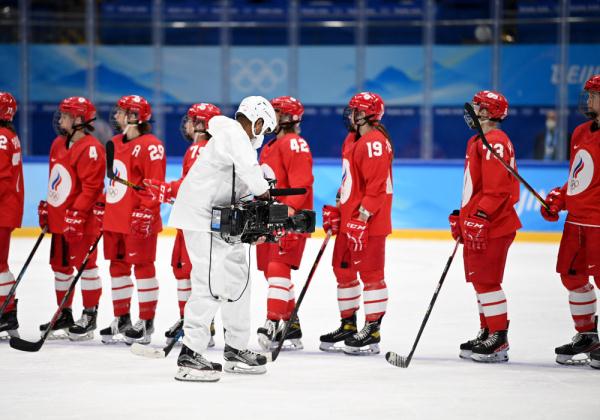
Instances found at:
x=8 y=106
x=204 y=112
x=78 y=106
x=369 y=102
x=136 y=104
x=288 y=105
x=593 y=83
x=495 y=103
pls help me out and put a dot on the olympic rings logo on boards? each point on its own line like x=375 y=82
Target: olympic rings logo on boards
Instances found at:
x=257 y=74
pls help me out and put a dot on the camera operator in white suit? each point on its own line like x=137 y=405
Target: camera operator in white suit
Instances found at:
x=220 y=275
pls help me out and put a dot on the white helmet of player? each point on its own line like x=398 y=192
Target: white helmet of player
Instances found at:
x=253 y=108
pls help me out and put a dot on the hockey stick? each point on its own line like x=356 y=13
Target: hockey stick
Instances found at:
x=32 y=346
x=472 y=120
x=110 y=173
x=400 y=361
x=22 y=272
x=294 y=314
x=153 y=352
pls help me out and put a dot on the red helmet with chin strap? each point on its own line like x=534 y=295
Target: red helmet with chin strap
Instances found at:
x=593 y=83
x=494 y=102
x=8 y=106
x=203 y=111
x=78 y=106
x=369 y=102
x=288 y=105
x=136 y=104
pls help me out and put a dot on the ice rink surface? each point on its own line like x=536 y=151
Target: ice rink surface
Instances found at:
x=90 y=380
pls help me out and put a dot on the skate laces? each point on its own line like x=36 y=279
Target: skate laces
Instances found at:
x=139 y=325
x=364 y=332
x=84 y=320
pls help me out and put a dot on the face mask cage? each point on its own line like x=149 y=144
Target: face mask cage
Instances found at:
x=584 y=99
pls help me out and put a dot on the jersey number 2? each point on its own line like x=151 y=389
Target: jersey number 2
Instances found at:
x=157 y=152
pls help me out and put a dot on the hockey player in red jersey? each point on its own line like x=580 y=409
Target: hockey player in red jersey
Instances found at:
x=487 y=223
x=194 y=128
x=579 y=253
x=11 y=202
x=362 y=218
x=75 y=184
x=286 y=158
x=132 y=222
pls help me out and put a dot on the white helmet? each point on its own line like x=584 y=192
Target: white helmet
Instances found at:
x=253 y=108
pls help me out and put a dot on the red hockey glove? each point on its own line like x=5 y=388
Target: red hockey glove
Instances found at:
x=556 y=202
x=357 y=235
x=43 y=213
x=455 y=225
x=74 y=224
x=331 y=219
x=160 y=191
x=98 y=212
x=288 y=241
x=475 y=231
x=141 y=222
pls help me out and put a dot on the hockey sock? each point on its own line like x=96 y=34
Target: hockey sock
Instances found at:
x=375 y=295
x=6 y=282
x=482 y=322
x=348 y=295
x=62 y=281
x=582 y=302
x=91 y=287
x=147 y=297
x=494 y=305
x=291 y=303
x=184 y=290
x=278 y=276
x=122 y=289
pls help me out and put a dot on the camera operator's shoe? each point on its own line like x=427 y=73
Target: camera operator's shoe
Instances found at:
x=193 y=367
x=244 y=361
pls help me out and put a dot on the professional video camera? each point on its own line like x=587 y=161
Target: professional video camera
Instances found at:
x=249 y=221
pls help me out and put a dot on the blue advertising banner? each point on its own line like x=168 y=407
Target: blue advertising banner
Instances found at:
x=424 y=193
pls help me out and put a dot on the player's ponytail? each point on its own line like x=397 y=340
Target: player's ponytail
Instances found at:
x=381 y=128
x=8 y=124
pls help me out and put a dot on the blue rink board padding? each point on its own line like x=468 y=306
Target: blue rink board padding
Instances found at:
x=424 y=193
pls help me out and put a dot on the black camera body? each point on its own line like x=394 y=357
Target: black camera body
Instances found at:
x=248 y=221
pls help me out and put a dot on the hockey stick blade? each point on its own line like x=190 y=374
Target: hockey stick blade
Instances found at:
x=395 y=359
x=470 y=112
x=24 y=345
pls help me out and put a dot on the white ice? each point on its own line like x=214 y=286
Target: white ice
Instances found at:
x=90 y=380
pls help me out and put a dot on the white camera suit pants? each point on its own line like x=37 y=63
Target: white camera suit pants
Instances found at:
x=218 y=269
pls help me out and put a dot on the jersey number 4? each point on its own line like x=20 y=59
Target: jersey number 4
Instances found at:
x=298 y=145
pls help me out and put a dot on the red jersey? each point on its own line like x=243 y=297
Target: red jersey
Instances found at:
x=288 y=160
x=142 y=157
x=76 y=180
x=488 y=186
x=11 y=179
x=190 y=156
x=583 y=187
x=367 y=181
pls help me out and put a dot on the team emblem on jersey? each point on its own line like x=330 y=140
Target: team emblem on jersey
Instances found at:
x=59 y=185
x=268 y=172
x=581 y=173
x=115 y=191
x=467 y=187
x=346 y=189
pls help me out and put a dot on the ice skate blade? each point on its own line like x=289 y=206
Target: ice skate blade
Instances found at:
x=57 y=334
x=573 y=360
x=144 y=340
x=81 y=337
x=595 y=363
x=185 y=374
x=265 y=343
x=6 y=335
x=242 y=368
x=331 y=347
x=368 y=350
x=465 y=354
x=497 y=357
x=113 y=339
x=292 y=345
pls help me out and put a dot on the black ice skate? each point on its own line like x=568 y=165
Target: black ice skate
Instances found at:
x=493 y=349
x=244 y=361
x=595 y=359
x=141 y=332
x=466 y=349
x=267 y=333
x=175 y=332
x=195 y=368
x=577 y=351
x=115 y=332
x=345 y=330
x=84 y=327
x=61 y=326
x=9 y=324
x=365 y=342
x=292 y=338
